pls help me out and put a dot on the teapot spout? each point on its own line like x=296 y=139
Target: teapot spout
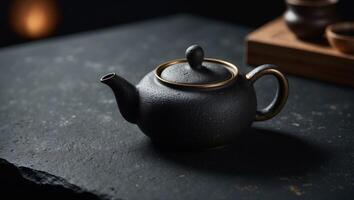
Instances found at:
x=126 y=95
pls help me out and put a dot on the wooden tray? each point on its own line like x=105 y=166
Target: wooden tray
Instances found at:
x=274 y=43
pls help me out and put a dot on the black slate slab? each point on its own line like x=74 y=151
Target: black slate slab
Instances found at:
x=56 y=117
x=26 y=183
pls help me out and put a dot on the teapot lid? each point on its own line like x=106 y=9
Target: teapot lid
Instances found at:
x=196 y=71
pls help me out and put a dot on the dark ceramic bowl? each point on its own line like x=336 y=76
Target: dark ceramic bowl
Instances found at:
x=341 y=36
x=308 y=19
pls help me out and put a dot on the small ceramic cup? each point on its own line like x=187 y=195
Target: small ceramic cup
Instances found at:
x=341 y=36
x=308 y=19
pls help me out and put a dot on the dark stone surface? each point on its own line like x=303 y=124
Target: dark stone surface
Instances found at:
x=55 y=116
x=26 y=183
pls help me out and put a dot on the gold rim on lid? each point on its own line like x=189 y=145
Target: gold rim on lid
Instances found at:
x=230 y=67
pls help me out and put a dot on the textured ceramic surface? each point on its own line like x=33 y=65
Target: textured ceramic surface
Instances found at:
x=204 y=118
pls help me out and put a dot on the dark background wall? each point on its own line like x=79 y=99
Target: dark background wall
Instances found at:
x=83 y=15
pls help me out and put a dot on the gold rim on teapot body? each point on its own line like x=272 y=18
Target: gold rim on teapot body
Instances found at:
x=230 y=67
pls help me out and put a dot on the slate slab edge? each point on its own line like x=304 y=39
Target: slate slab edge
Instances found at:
x=18 y=182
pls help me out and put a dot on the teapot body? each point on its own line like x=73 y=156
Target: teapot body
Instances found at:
x=197 y=117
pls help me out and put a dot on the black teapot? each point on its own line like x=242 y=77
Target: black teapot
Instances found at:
x=195 y=102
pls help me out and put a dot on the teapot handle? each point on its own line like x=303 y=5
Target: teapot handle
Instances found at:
x=281 y=95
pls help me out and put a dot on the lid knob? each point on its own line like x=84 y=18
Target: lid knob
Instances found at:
x=195 y=56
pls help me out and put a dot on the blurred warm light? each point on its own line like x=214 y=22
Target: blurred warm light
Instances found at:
x=34 y=18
